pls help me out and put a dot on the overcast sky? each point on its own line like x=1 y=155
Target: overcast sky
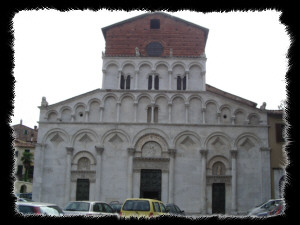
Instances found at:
x=58 y=55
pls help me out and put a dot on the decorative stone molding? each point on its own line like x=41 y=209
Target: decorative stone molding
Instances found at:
x=265 y=149
x=91 y=175
x=218 y=179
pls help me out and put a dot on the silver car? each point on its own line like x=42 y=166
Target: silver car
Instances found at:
x=88 y=208
x=265 y=207
x=39 y=208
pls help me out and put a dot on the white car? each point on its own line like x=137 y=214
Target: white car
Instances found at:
x=265 y=207
x=39 y=208
x=88 y=208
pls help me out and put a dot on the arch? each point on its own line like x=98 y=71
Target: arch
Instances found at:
x=51 y=111
x=110 y=95
x=78 y=105
x=85 y=131
x=84 y=154
x=239 y=116
x=151 y=131
x=144 y=95
x=178 y=63
x=128 y=62
x=145 y=63
x=211 y=101
x=162 y=63
x=226 y=113
x=218 y=158
x=56 y=130
x=178 y=96
x=127 y=95
x=195 y=64
x=111 y=62
x=122 y=134
x=216 y=135
x=64 y=108
x=253 y=118
x=92 y=101
x=246 y=135
x=187 y=133
x=195 y=96
x=156 y=97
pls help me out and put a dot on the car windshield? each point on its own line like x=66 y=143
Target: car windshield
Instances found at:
x=136 y=205
x=78 y=206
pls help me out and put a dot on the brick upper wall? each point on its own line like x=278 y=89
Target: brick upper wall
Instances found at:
x=185 y=39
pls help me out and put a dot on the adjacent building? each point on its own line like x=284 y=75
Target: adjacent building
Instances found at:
x=155 y=129
x=25 y=140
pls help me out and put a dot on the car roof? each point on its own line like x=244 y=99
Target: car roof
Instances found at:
x=36 y=203
x=89 y=201
x=146 y=199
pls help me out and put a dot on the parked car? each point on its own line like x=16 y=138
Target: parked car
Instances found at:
x=141 y=207
x=88 y=208
x=264 y=208
x=39 y=208
x=278 y=209
x=116 y=206
x=174 y=209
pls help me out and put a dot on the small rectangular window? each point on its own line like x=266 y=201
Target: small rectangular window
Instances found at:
x=279 y=132
x=155 y=24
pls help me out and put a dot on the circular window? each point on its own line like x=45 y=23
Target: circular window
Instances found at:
x=154 y=49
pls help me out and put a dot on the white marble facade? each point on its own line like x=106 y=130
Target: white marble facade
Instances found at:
x=195 y=137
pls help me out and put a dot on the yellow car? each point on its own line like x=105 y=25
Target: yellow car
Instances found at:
x=142 y=207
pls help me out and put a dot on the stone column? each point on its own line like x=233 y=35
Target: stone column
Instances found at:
x=87 y=112
x=187 y=80
x=135 y=104
x=38 y=177
x=152 y=113
x=187 y=112
x=203 y=115
x=136 y=79
x=103 y=77
x=101 y=113
x=265 y=173
x=170 y=112
x=170 y=79
x=68 y=174
x=119 y=80
x=118 y=111
x=131 y=152
x=219 y=117
x=172 y=153
x=99 y=151
x=203 y=153
x=233 y=181
x=153 y=79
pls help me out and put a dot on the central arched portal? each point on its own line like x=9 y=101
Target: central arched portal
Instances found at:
x=151 y=172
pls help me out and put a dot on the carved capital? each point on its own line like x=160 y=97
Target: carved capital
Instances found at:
x=203 y=152
x=131 y=151
x=233 y=153
x=99 y=149
x=69 y=150
x=172 y=152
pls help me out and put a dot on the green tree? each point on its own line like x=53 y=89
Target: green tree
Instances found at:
x=27 y=160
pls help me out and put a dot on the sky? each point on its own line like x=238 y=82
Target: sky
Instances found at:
x=59 y=55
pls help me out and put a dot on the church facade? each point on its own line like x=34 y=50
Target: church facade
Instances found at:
x=155 y=129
